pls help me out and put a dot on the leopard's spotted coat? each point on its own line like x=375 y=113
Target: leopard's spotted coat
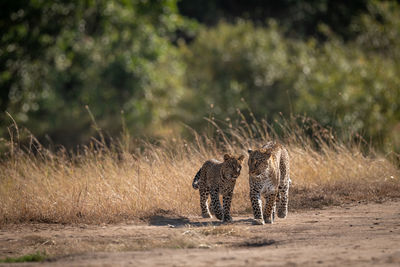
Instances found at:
x=215 y=178
x=269 y=177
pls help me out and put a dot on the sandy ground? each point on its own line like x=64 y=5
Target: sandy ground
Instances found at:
x=353 y=235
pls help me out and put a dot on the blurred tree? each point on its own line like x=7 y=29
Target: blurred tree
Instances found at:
x=356 y=85
x=352 y=86
x=378 y=30
x=58 y=56
x=238 y=67
x=28 y=28
x=110 y=55
x=350 y=90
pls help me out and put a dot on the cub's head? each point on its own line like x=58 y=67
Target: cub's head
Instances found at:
x=258 y=160
x=232 y=166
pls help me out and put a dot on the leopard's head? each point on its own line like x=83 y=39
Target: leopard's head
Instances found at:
x=258 y=161
x=232 y=166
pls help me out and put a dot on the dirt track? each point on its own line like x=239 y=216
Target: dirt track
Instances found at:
x=355 y=235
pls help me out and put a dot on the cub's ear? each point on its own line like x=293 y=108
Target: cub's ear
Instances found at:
x=241 y=157
x=226 y=157
x=249 y=151
x=266 y=153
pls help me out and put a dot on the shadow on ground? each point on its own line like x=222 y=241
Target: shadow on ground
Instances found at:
x=180 y=221
x=258 y=242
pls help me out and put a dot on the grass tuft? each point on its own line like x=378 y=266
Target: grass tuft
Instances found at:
x=36 y=257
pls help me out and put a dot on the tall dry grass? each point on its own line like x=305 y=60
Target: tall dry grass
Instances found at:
x=126 y=180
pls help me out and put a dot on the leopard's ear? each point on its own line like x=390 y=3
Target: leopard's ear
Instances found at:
x=241 y=158
x=226 y=157
x=264 y=151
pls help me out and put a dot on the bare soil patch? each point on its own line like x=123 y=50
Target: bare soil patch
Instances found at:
x=350 y=235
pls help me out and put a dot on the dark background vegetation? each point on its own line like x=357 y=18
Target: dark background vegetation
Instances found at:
x=152 y=67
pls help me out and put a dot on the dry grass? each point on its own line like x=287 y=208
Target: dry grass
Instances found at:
x=128 y=180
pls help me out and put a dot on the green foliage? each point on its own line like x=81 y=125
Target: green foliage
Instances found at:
x=111 y=55
x=349 y=89
x=231 y=62
x=57 y=57
x=36 y=257
x=378 y=31
x=356 y=85
x=344 y=85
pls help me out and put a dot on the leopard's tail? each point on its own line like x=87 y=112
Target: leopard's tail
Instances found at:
x=196 y=179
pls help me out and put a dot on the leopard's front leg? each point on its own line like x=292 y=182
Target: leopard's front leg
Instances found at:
x=205 y=213
x=283 y=200
x=270 y=206
x=216 y=204
x=256 y=203
x=227 y=200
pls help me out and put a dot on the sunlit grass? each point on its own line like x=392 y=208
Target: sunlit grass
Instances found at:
x=128 y=180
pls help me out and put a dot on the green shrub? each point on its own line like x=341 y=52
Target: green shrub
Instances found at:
x=344 y=85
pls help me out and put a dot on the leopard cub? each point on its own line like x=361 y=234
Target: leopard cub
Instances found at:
x=215 y=178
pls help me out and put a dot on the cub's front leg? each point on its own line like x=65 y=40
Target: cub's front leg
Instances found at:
x=216 y=204
x=205 y=213
x=227 y=200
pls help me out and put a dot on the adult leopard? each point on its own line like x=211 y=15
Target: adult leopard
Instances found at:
x=269 y=177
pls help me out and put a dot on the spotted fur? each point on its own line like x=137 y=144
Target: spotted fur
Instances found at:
x=218 y=178
x=269 y=177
